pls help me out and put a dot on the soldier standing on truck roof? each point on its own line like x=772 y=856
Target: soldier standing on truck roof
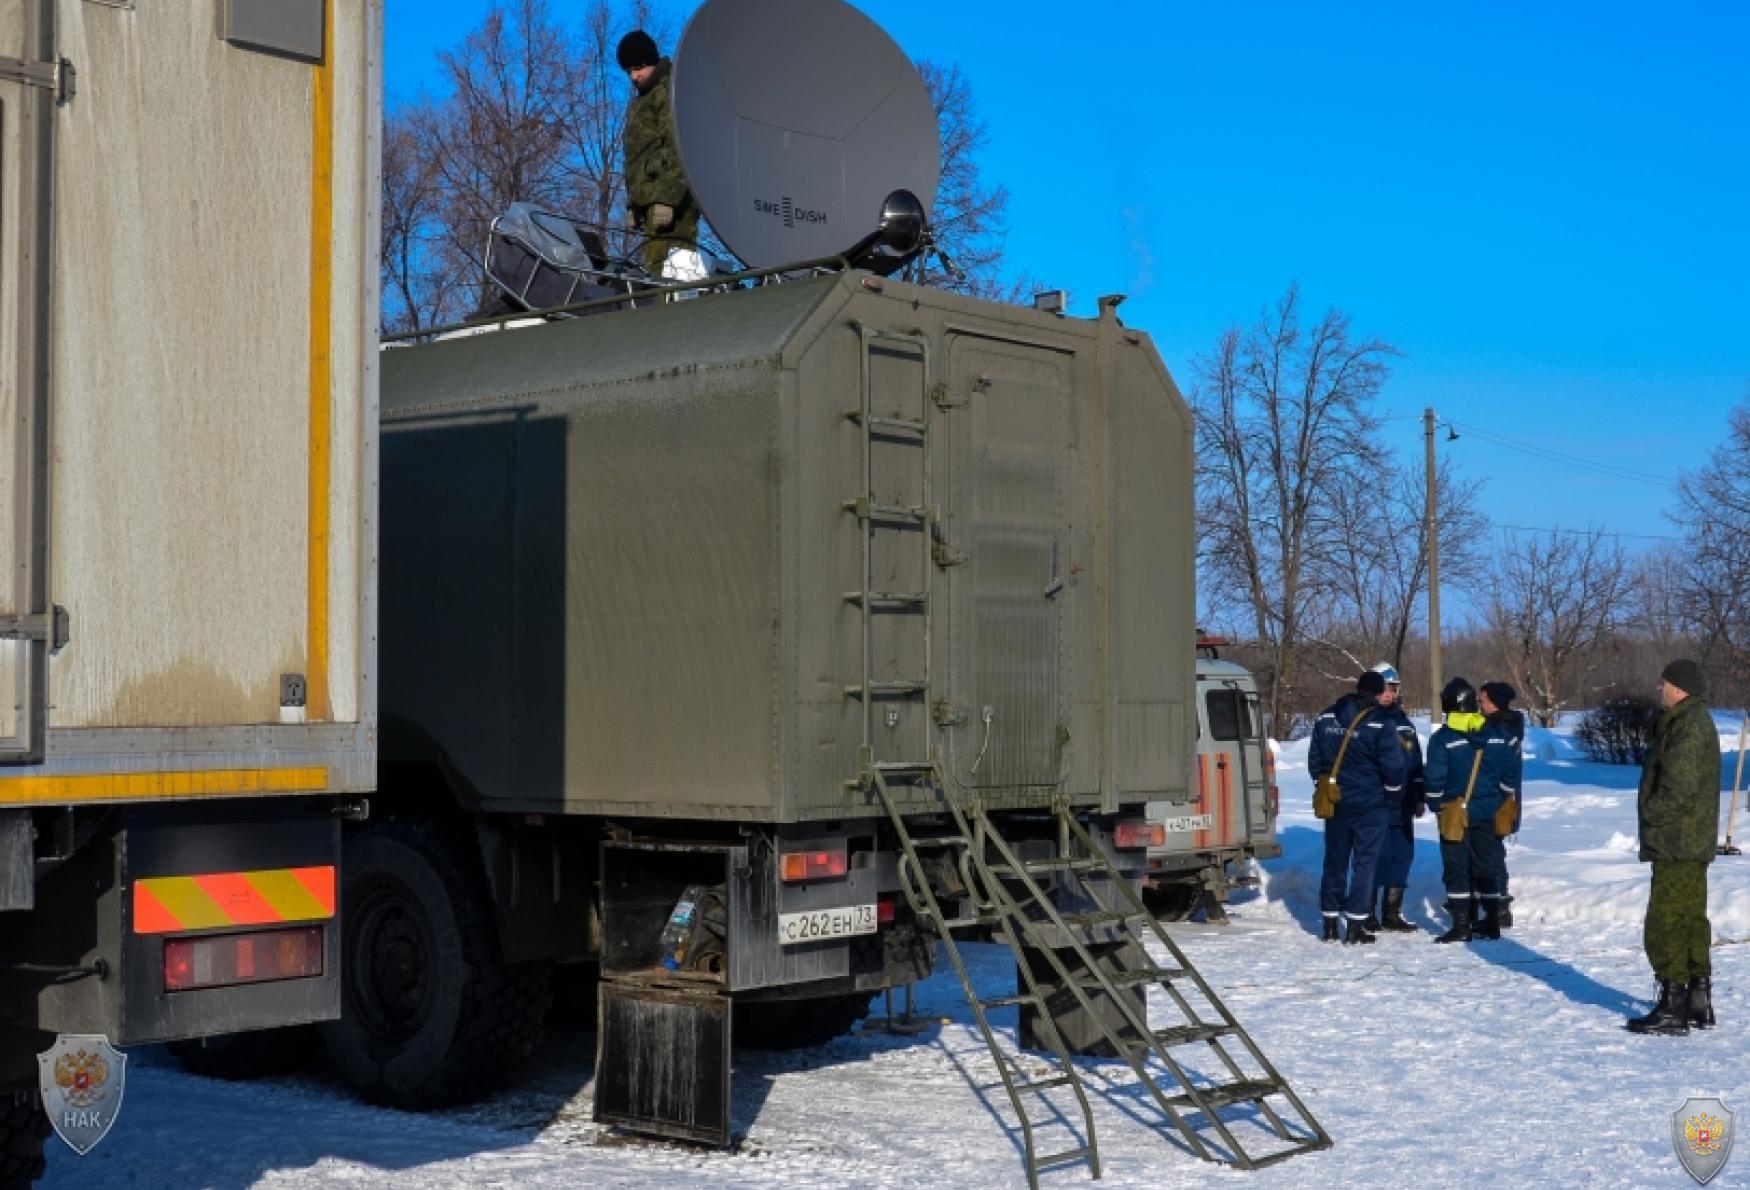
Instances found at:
x=658 y=202
x=1374 y=768
x=1392 y=876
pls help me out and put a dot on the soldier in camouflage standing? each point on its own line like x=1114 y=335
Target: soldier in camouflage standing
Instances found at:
x=658 y=202
x=1680 y=811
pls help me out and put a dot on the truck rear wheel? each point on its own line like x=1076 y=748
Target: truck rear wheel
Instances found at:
x=23 y=1128
x=798 y=1024
x=431 y=1014
x=237 y=1057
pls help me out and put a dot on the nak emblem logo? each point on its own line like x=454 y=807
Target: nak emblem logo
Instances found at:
x=81 y=1078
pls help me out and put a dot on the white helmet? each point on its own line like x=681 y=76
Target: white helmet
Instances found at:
x=1389 y=672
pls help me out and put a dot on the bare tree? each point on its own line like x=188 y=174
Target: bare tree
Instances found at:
x=1554 y=602
x=412 y=285
x=969 y=218
x=1284 y=425
x=1711 y=578
x=1376 y=563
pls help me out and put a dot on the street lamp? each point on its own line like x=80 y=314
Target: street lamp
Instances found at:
x=1433 y=572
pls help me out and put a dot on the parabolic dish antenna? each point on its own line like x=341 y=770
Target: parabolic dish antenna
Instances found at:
x=795 y=120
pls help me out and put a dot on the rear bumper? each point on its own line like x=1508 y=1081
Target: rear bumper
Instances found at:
x=165 y=872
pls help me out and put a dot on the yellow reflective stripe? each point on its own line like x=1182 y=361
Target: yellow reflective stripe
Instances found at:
x=120 y=787
x=187 y=902
x=321 y=360
x=287 y=894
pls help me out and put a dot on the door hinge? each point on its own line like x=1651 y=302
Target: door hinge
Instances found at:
x=945 y=397
x=947 y=714
x=54 y=628
x=59 y=77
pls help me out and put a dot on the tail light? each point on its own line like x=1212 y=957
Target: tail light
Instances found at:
x=797 y=866
x=1270 y=777
x=1131 y=835
x=884 y=910
x=226 y=960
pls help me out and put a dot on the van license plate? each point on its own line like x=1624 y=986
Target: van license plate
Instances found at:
x=1191 y=822
x=820 y=924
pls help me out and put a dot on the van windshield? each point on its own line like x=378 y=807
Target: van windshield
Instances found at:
x=1230 y=715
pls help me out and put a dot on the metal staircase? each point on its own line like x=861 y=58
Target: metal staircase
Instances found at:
x=1074 y=924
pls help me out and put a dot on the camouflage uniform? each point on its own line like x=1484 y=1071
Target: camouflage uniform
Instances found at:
x=653 y=169
x=1679 y=814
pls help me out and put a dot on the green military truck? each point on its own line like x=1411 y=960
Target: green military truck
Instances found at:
x=187 y=419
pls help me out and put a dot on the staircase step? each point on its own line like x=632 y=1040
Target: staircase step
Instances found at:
x=1038 y=866
x=1064 y=1158
x=1229 y=1094
x=1019 y=1000
x=1046 y=1084
x=1186 y=1034
x=1130 y=979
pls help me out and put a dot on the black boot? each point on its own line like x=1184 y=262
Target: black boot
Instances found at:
x=1505 y=913
x=1393 y=916
x=1701 y=1002
x=1357 y=934
x=1330 y=934
x=1460 y=931
x=1670 y=1017
x=1486 y=927
x=1371 y=925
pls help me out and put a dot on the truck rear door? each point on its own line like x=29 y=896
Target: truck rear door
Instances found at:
x=1231 y=761
x=30 y=84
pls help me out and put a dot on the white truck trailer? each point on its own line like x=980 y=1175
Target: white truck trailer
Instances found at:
x=187 y=483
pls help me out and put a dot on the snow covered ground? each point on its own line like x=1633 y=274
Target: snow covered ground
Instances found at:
x=1498 y=1063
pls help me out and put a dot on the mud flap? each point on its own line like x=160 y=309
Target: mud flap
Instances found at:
x=662 y=1059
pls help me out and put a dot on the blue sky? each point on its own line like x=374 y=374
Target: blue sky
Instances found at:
x=1545 y=207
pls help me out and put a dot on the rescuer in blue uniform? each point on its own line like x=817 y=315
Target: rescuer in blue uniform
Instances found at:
x=1374 y=769
x=1392 y=875
x=1475 y=867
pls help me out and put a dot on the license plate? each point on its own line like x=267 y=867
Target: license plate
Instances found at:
x=819 y=924
x=1190 y=822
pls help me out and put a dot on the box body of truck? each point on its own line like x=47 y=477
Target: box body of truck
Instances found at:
x=188 y=305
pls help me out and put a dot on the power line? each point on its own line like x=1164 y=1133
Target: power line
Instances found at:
x=1586 y=532
x=1567 y=460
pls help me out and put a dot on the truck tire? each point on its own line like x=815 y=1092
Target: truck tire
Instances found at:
x=431 y=1014
x=238 y=1057
x=798 y=1024
x=1174 y=901
x=24 y=1126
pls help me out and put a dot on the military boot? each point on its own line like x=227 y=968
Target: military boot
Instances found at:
x=1358 y=934
x=1460 y=931
x=1486 y=924
x=1330 y=934
x=1670 y=1017
x=1371 y=925
x=1392 y=918
x=1701 y=1002
x=1505 y=913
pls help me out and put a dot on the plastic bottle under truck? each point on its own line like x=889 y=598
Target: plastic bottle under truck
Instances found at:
x=186 y=635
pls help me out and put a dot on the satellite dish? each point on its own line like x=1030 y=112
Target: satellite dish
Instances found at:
x=797 y=122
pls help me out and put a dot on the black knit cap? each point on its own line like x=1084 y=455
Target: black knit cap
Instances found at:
x=637 y=49
x=1686 y=675
x=1500 y=693
x=1371 y=683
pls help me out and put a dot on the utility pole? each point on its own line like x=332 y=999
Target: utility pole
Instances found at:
x=1433 y=579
